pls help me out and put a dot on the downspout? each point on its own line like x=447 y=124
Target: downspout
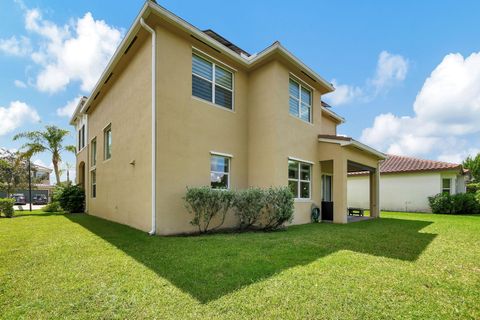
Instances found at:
x=154 y=127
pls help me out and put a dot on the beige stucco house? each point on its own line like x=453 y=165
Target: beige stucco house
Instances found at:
x=178 y=107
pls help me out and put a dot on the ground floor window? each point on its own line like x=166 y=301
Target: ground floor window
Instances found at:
x=219 y=172
x=94 y=183
x=326 y=187
x=446 y=186
x=299 y=179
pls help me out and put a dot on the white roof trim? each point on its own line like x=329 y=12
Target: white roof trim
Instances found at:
x=333 y=115
x=151 y=7
x=300 y=160
x=221 y=154
x=355 y=143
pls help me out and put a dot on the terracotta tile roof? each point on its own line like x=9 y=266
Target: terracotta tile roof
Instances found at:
x=402 y=164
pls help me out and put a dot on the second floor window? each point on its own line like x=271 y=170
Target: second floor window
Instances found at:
x=81 y=138
x=211 y=82
x=107 y=142
x=300 y=101
x=94 y=152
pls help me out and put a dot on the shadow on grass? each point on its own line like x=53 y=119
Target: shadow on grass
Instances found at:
x=208 y=267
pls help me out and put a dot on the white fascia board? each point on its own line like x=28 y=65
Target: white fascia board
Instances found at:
x=355 y=143
x=334 y=115
x=366 y=148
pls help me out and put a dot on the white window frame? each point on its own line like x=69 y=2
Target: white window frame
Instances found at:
x=214 y=66
x=93 y=155
x=299 y=180
x=299 y=100
x=228 y=174
x=331 y=186
x=93 y=185
x=450 y=185
x=105 y=141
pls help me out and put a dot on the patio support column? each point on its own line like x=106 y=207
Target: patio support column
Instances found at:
x=340 y=169
x=375 y=193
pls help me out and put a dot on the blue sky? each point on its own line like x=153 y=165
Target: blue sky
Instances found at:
x=407 y=72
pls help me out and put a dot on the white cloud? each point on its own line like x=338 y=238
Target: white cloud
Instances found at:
x=391 y=69
x=343 y=94
x=16 y=115
x=69 y=108
x=447 y=110
x=77 y=51
x=19 y=84
x=16 y=46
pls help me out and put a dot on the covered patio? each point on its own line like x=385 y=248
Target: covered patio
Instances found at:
x=338 y=156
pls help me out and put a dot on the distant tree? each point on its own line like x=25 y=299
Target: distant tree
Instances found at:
x=51 y=140
x=13 y=172
x=473 y=164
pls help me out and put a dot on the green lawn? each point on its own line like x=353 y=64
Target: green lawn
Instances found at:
x=414 y=266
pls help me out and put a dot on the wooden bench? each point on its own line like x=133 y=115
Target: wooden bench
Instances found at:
x=355 y=211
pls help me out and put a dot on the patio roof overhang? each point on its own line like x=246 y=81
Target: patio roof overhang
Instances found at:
x=349 y=142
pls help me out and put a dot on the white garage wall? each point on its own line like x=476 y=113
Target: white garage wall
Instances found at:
x=398 y=192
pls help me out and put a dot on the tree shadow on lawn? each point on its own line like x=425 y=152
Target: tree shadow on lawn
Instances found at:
x=208 y=267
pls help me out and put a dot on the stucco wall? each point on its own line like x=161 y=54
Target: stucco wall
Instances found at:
x=123 y=189
x=400 y=192
x=259 y=133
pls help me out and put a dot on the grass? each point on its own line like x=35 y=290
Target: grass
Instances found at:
x=405 y=265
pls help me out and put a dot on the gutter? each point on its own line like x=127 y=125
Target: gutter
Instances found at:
x=154 y=126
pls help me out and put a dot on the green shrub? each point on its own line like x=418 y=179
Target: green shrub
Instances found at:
x=279 y=207
x=473 y=187
x=6 y=207
x=462 y=203
x=248 y=206
x=71 y=198
x=53 y=207
x=206 y=204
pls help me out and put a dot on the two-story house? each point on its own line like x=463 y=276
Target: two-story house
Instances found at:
x=178 y=107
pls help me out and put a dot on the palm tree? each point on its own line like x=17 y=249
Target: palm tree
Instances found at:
x=68 y=167
x=51 y=139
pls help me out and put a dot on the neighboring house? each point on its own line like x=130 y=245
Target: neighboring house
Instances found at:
x=209 y=114
x=406 y=183
x=40 y=183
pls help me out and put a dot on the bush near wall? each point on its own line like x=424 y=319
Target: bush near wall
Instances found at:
x=473 y=187
x=206 y=205
x=6 y=207
x=71 y=198
x=462 y=203
x=266 y=209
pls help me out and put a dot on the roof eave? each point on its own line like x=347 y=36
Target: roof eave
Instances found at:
x=151 y=7
x=357 y=144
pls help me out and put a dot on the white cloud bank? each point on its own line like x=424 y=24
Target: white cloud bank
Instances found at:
x=447 y=110
x=71 y=53
x=14 y=116
x=391 y=69
x=69 y=108
x=77 y=51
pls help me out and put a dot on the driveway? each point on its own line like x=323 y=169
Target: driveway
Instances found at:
x=27 y=207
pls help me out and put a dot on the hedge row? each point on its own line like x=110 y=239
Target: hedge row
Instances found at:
x=256 y=208
x=462 y=203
